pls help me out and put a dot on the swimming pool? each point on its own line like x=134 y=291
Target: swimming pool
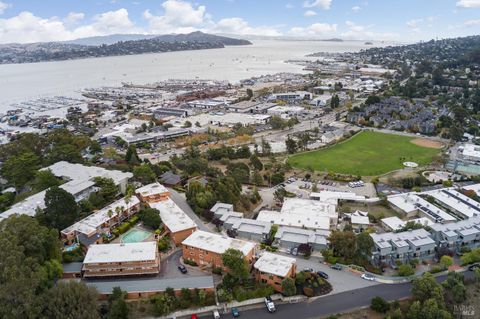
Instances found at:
x=135 y=236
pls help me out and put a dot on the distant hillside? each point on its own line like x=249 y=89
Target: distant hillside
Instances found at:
x=84 y=48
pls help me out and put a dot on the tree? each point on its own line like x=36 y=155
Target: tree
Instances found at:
x=150 y=217
x=235 y=261
x=144 y=174
x=256 y=163
x=64 y=152
x=21 y=169
x=454 y=287
x=372 y=99
x=446 y=261
x=61 y=210
x=132 y=156
x=71 y=300
x=379 y=304
x=187 y=124
x=249 y=94
x=108 y=190
x=426 y=287
x=117 y=306
x=257 y=178
x=291 y=145
x=364 y=244
x=343 y=244
x=44 y=179
x=288 y=287
x=95 y=147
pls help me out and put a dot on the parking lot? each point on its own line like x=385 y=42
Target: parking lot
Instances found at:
x=169 y=267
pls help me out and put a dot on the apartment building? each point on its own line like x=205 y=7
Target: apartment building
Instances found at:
x=411 y=205
x=457 y=203
x=90 y=230
x=153 y=193
x=403 y=246
x=272 y=269
x=175 y=221
x=457 y=235
x=290 y=237
x=114 y=260
x=206 y=248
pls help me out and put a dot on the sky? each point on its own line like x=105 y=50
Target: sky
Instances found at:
x=27 y=21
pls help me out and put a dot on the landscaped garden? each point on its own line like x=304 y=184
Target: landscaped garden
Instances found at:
x=366 y=154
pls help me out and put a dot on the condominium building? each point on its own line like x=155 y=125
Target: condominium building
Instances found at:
x=206 y=248
x=127 y=259
x=272 y=269
x=457 y=235
x=290 y=237
x=152 y=193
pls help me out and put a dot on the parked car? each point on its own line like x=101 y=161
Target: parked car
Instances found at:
x=235 y=312
x=473 y=267
x=182 y=269
x=294 y=251
x=216 y=315
x=269 y=304
x=368 y=277
x=336 y=267
x=322 y=274
x=194 y=316
x=307 y=269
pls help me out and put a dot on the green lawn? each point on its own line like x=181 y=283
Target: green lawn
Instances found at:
x=366 y=154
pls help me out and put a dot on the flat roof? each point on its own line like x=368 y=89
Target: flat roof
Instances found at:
x=151 y=189
x=274 y=264
x=471 y=150
x=410 y=202
x=417 y=237
x=360 y=220
x=217 y=243
x=309 y=207
x=221 y=208
x=302 y=236
x=154 y=284
x=329 y=195
x=173 y=216
x=294 y=220
x=464 y=227
x=252 y=226
x=457 y=201
x=82 y=172
x=115 y=253
x=89 y=224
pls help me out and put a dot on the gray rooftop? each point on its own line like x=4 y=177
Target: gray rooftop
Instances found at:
x=151 y=284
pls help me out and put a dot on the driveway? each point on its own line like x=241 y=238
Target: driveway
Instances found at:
x=181 y=201
x=169 y=267
x=340 y=280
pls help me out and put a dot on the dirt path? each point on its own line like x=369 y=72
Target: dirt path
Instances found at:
x=427 y=143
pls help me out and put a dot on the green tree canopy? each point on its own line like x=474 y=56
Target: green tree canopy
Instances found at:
x=288 y=287
x=150 y=217
x=235 y=261
x=20 y=169
x=144 y=174
x=44 y=179
x=61 y=210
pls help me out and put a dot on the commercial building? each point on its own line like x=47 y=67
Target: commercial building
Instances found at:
x=115 y=260
x=291 y=96
x=471 y=152
x=333 y=197
x=403 y=246
x=285 y=111
x=92 y=228
x=289 y=237
x=206 y=248
x=412 y=205
x=294 y=220
x=178 y=224
x=272 y=269
x=224 y=119
x=153 y=193
x=457 y=235
x=308 y=207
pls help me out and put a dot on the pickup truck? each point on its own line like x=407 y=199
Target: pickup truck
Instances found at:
x=269 y=304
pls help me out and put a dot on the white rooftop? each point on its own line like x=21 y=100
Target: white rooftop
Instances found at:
x=82 y=172
x=410 y=202
x=115 y=253
x=299 y=206
x=417 y=237
x=173 y=216
x=217 y=243
x=471 y=150
x=302 y=236
x=221 y=208
x=151 y=189
x=464 y=227
x=89 y=224
x=395 y=223
x=294 y=220
x=274 y=264
x=457 y=201
x=331 y=195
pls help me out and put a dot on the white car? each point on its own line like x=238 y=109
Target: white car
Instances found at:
x=216 y=314
x=269 y=304
x=368 y=277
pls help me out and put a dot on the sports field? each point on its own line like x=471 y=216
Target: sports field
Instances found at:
x=366 y=154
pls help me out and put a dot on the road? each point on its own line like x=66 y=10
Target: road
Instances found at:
x=334 y=303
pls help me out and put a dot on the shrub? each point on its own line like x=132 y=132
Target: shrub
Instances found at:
x=379 y=305
x=436 y=269
x=405 y=270
x=190 y=262
x=308 y=292
x=301 y=278
x=217 y=270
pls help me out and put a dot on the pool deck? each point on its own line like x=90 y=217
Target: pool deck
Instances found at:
x=137 y=227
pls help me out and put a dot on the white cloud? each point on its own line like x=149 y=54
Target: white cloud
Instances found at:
x=360 y=32
x=240 y=26
x=356 y=8
x=310 y=13
x=316 y=29
x=74 y=17
x=26 y=27
x=471 y=23
x=4 y=6
x=179 y=16
x=468 y=3
x=414 y=23
x=289 y=6
x=321 y=4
